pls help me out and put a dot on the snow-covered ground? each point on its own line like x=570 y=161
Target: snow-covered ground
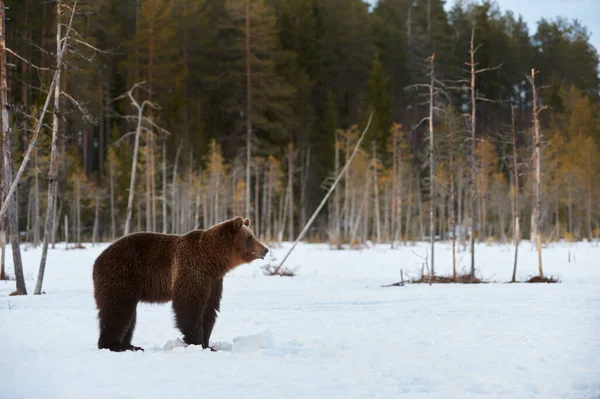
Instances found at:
x=330 y=332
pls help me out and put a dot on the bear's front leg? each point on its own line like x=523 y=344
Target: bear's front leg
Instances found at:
x=189 y=313
x=212 y=307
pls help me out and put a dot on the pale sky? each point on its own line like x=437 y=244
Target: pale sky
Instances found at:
x=586 y=11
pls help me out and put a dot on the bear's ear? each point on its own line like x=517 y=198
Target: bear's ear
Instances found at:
x=237 y=223
x=247 y=222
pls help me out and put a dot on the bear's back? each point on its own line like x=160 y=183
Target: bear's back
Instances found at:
x=141 y=261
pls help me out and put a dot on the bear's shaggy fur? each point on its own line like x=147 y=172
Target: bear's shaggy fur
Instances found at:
x=187 y=269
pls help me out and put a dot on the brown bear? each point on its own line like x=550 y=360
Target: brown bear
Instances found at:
x=187 y=269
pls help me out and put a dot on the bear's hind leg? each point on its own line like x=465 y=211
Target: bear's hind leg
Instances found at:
x=116 y=328
x=129 y=334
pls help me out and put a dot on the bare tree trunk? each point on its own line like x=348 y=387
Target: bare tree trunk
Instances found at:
x=66 y=232
x=96 y=218
x=516 y=210
x=55 y=221
x=420 y=207
x=394 y=190
x=346 y=206
x=305 y=175
x=174 y=189
x=570 y=205
x=269 y=212
x=459 y=202
x=336 y=199
x=376 y=186
x=148 y=170
x=257 y=214
x=28 y=218
x=113 y=224
x=164 y=187
x=473 y=146
x=266 y=203
x=431 y=157
x=248 y=106
x=408 y=205
x=360 y=211
x=291 y=190
x=152 y=183
x=78 y=209
x=136 y=146
x=36 y=204
x=451 y=205
x=198 y=196
x=8 y=178
x=3 y=275
x=588 y=208
x=538 y=179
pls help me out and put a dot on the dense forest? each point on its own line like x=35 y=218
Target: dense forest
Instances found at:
x=169 y=115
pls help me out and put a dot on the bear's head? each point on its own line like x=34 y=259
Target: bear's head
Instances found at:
x=237 y=242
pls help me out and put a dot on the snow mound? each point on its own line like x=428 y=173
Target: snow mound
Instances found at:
x=262 y=340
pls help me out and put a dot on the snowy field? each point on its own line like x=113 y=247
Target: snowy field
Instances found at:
x=330 y=332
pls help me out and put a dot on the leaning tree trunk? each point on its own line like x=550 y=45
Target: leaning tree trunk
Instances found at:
x=8 y=178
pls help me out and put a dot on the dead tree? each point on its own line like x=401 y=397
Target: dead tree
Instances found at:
x=473 y=72
x=141 y=122
x=8 y=178
x=435 y=89
x=537 y=156
x=516 y=205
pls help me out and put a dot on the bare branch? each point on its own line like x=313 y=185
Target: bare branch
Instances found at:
x=25 y=61
x=477 y=72
x=86 y=115
x=426 y=118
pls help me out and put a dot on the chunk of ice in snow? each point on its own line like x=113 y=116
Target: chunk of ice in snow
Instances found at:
x=262 y=340
x=174 y=343
x=222 y=346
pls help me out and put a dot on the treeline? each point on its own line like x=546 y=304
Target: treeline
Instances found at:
x=259 y=102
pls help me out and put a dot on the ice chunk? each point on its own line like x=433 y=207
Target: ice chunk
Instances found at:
x=222 y=346
x=174 y=343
